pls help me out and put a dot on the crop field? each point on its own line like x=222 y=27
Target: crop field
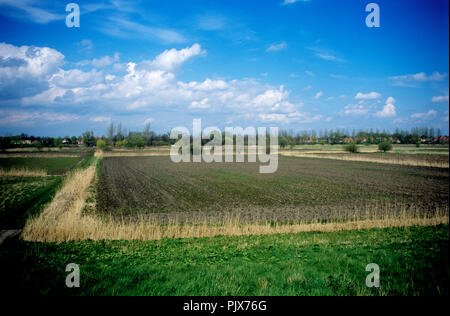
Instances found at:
x=53 y=166
x=303 y=189
x=28 y=182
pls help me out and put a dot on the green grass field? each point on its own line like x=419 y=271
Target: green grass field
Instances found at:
x=412 y=261
x=54 y=166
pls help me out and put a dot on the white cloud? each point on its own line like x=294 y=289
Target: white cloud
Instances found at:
x=123 y=28
x=443 y=98
x=85 y=45
x=427 y=115
x=24 y=117
x=74 y=78
x=143 y=88
x=289 y=118
x=27 y=9
x=286 y=2
x=309 y=73
x=270 y=98
x=307 y=88
x=367 y=96
x=388 y=110
x=25 y=70
x=355 y=109
x=277 y=47
x=105 y=61
x=327 y=57
x=172 y=58
x=412 y=79
x=318 y=95
x=100 y=119
x=203 y=104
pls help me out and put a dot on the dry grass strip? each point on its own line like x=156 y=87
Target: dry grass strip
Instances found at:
x=404 y=161
x=63 y=220
x=22 y=173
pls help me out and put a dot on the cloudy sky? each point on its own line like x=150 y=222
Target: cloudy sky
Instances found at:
x=295 y=64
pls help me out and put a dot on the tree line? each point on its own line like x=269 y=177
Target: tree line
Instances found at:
x=118 y=136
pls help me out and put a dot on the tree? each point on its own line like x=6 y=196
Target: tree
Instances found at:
x=147 y=134
x=385 y=146
x=110 y=133
x=88 y=138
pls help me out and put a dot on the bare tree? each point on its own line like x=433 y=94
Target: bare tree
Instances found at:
x=110 y=132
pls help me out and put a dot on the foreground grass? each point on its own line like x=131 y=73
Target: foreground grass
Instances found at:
x=412 y=260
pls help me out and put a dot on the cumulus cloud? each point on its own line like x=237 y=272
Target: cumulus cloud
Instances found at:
x=25 y=70
x=367 y=96
x=74 y=78
x=388 y=110
x=171 y=59
x=146 y=86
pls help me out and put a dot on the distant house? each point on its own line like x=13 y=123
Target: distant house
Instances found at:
x=444 y=139
x=66 y=141
x=26 y=141
x=348 y=140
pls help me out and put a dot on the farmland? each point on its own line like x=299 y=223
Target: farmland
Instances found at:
x=139 y=224
x=303 y=189
x=28 y=182
x=53 y=166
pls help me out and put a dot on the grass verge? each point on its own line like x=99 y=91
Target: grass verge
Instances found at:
x=412 y=261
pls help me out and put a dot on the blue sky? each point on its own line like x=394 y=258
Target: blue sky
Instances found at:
x=293 y=64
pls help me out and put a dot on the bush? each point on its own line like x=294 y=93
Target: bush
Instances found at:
x=418 y=144
x=101 y=144
x=351 y=148
x=283 y=142
x=136 y=141
x=386 y=146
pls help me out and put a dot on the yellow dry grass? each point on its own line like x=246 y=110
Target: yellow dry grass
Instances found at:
x=64 y=220
x=135 y=154
x=22 y=173
x=404 y=161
